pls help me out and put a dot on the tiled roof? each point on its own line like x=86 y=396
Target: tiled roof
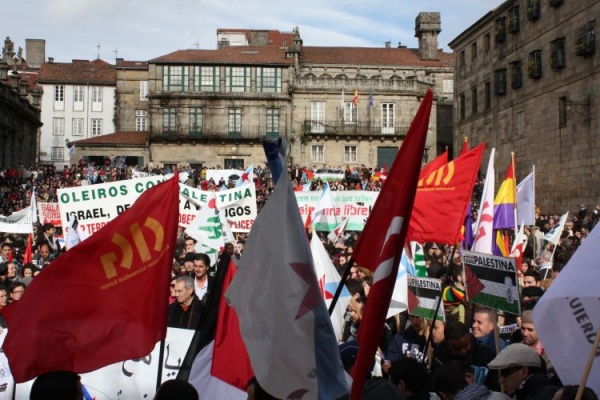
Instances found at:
x=124 y=64
x=371 y=56
x=275 y=37
x=79 y=71
x=118 y=139
x=228 y=55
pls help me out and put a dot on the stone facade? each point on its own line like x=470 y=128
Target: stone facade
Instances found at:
x=526 y=75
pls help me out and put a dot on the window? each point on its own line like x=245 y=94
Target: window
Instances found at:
x=96 y=98
x=59 y=97
x=206 y=79
x=317 y=154
x=488 y=95
x=77 y=98
x=534 y=64
x=487 y=42
x=388 y=118
x=169 y=120
x=350 y=113
x=268 y=80
x=237 y=79
x=562 y=112
x=585 y=40
x=272 y=123
x=350 y=155
x=461 y=63
x=96 y=127
x=462 y=105
x=57 y=154
x=473 y=51
x=141 y=120
x=556 y=3
x=513 y=19
x=516 y=75
x=500 y=81
x=557 y=55
x=58 y=126
x=474 y=101
x=196 y=122
x=533 y=10
x=500 y=30
x=77 y=127
x=317 y=117
x=235 y=122
x=143 y=90
x=448 y=86
x=175 y=78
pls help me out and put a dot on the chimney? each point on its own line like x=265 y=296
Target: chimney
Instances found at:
x=3 y=71
x=224 y=42
x=50 y=60
x=36 y=96
x=259 y=38
x=23 y=86
x=118 y=61
x=35 y=52
x=388 y=45
x=428 y=25
x=14 y=80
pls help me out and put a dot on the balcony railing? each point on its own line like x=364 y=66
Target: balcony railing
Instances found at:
x=222 y=133
x=340 y=128
x=409 y=84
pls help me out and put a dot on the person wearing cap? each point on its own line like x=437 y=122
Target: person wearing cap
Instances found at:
x=522 y=373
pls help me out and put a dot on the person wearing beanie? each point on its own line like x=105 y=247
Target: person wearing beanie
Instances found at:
x=522 y=373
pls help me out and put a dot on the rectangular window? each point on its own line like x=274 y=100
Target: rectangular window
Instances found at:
x=533 y=10
x=350 y=113
x=557 y=55
x=268 y=80
x=143 y=90
x=513 y=19
x=175 y=78
x=500 y=81
x=317 y=116
x=59 y=97
x=487 y=42
x=534 y=64
x=237 y=79
x=317 y=154
x=585 y=40
x=196 y=121
x=96 y=127
x=462 y=105
x=96 y=98
x=57 y=154
x=350 y=155
x=516 y=75
x=272 y=123
x=206 y=79
x=235 y=122
x=169 y=120
x=488 y=95
x=474 y=101
x=58 y=126
x=77 y=127
x=473 y=51
x=388 y=118
x=141 y=120
x=77 y=98
x=448 y=86
x=500 y=30
x=562 y=112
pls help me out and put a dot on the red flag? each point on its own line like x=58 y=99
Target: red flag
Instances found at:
x=380 y=245
x=309 y=174
x=28 y=257
x=230 y=361
x=112 y=305
x=444 y=195
x=426 y=171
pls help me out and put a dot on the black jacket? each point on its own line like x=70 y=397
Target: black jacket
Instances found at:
x=188 y=319
x=537 y=387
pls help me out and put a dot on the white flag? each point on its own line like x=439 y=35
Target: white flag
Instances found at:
x=526 y=199
x=553 y=235
x=485 y=219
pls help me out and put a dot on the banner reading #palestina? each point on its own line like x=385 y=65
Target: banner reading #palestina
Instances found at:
x=95 y=205
x=353 y=204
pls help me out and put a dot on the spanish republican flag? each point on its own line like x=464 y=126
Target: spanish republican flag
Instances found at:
x=103 y=301
x=505 y=202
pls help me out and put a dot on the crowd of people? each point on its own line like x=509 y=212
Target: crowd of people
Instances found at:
x=417 y=359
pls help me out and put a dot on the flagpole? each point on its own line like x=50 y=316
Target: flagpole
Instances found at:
x=161 y=360
x=514 y=187
x=588 y=366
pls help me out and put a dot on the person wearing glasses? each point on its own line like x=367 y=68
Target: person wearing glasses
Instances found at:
x=522 y=373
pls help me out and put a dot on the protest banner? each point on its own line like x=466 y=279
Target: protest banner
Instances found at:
x=49 y=213
x=491 y=281
x=95 y=205
x=423 y=296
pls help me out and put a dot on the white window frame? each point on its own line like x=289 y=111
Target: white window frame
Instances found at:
x=57 y=154
x=388 y=118
x=77 y=128
x=141 y=120
x=96 y=98
x=207 y=78
x=59 y=97
x=447 y=86
x=58 y=126
x=317 y=153
x=144 y=90
x=234 y=121
x=350 y=113
x=96 y=126
x=78 y=98
x=317 y=116
x=350 y=154
x=237 y=79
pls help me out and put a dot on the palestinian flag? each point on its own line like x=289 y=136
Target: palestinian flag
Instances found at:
x=423 y=297
x=492 y=281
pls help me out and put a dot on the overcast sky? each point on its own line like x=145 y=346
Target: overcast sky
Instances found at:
x=145 y=29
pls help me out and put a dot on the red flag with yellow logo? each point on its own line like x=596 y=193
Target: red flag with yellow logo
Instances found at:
x=442 y=197
x=103 y=301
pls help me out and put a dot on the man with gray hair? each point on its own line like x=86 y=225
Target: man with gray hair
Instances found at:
x=186 y=310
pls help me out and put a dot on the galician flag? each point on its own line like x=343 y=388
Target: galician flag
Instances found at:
x=247 y=176
x=553 y=235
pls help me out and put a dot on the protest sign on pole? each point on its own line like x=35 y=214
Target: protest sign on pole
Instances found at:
x=423 y=295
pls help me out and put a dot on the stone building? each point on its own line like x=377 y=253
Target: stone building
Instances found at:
x=20 y=105
x=526 y=75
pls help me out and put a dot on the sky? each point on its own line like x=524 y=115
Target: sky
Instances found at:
x=140 y=30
